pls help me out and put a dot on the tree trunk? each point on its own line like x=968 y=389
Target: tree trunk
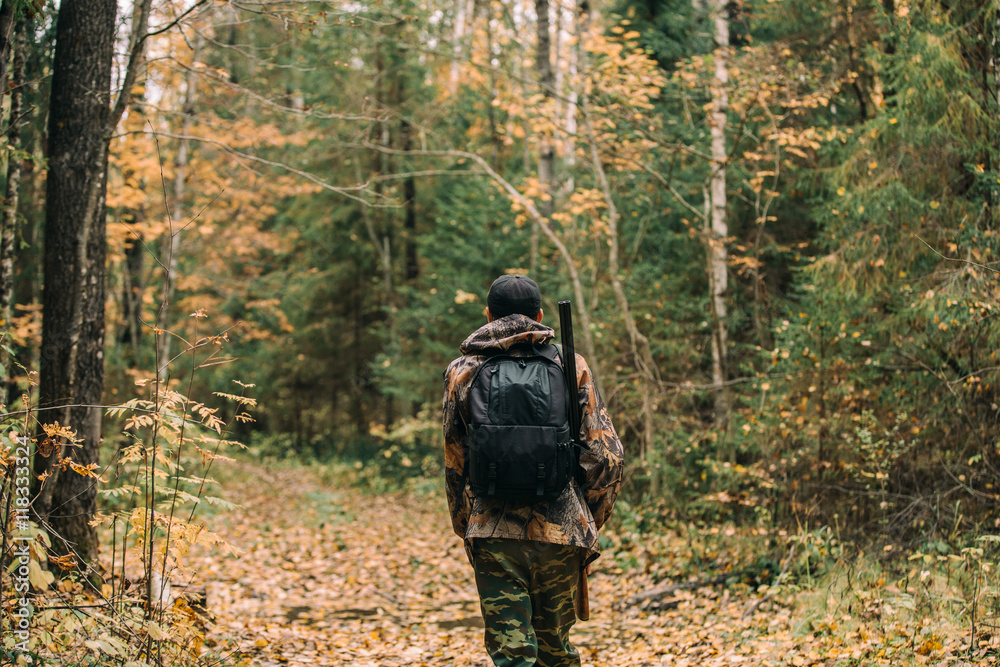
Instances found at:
x=172 y=245
x=716 y=234
x=546 y=81
x=642 y=354
x=28 y=270
x=136 y=55
x=388 y=96
x=412 y=265
x=133 y=286
x=495 y=140
x=8 y=213
x=132 y=291
x=7 y=18
x=463 y=9
x=570 y=106
x=518 y=56
x=72 y=369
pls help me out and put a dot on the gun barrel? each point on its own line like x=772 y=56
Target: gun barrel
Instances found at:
x=582 y=601
x=569 y=365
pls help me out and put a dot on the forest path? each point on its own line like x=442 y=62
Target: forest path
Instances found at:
x=332 y=576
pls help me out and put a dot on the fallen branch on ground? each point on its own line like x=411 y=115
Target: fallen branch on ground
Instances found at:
x=661 y=592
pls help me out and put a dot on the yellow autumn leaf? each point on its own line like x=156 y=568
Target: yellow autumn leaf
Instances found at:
x=155 y=633
x=930 y=646
x=39 y=578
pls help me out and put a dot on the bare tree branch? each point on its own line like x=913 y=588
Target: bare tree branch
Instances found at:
x=957 y=259
x=177 y=20
x=242 y=156
x=666 y=183
x=528 y=206
x=215 y=78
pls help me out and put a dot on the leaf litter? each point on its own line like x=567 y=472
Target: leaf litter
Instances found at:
x=327 y=575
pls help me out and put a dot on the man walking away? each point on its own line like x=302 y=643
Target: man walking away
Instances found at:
x=529 y=526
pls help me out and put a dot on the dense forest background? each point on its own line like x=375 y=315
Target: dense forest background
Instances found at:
x=777 y=221
x=332 y=188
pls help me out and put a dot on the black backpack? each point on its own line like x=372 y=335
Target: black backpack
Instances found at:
x=520 y=446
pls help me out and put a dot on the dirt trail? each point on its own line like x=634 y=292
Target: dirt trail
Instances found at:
x=330 y=576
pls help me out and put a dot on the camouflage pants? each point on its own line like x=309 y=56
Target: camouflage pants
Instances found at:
x=527 y=592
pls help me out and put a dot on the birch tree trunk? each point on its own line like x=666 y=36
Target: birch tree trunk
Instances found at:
x=570 y=103
x=546 y=81
x=718 y=230
x=8 y=16
x=463 y=14
x=495 y=140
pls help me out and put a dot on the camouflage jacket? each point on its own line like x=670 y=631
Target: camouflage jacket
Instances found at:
x=572 y=519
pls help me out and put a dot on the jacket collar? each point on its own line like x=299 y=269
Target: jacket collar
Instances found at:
x=504 y=332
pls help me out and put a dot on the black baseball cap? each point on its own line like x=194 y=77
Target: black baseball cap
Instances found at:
x=511 y=294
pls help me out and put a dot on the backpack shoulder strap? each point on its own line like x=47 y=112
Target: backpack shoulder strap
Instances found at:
x=549 y=351
x=488 y=356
